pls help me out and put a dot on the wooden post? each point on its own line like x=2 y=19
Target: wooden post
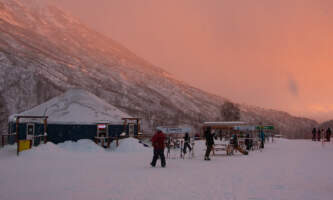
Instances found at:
x=108 y=145
x=125 y=123
x=45 y=130
x=138 y=124
x=17 y=135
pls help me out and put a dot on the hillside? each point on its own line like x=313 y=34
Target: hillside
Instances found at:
x=327 y=124
x=45 y=51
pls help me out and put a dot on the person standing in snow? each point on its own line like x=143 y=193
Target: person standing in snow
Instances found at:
x=247 y=141
x=328 y=134
x=187 y=141
x=314 y=131
x=209 y=142
x=318 y=134
x=262 y=138
x=158 y=142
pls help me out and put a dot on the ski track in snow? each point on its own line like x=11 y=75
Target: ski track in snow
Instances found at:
x=287 y=169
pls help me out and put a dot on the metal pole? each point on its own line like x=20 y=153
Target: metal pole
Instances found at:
x=45 y=130
x=17 y=135
x=138 y=124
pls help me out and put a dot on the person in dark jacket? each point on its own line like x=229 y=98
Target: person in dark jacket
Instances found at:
x=209 y=142
x=318 y=134
x=247 y=141
x=234 y=141
x=328 y=134
x=158 y=142
x=262 y=138
x=187 y=141
x=314 y=131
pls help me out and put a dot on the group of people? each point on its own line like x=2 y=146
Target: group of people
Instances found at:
x=318 y=134
x=209 y=136
x=158 y=142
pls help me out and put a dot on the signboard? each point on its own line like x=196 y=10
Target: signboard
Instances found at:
x=101 y=126
x=174 y=130
x=265 y=127
x=24 y=145
x=245 y=128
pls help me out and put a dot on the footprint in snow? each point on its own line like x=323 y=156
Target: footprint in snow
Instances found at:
x=278 y=187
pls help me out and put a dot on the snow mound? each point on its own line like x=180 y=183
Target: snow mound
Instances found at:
x=84 y=146
x=130 y=145
x=48 y=148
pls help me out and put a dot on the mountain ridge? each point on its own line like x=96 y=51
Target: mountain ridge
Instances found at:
x=43 y=53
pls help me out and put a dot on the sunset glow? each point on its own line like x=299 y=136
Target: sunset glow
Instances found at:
x=273 y=54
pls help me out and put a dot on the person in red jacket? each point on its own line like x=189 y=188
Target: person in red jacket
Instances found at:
x=158 y=142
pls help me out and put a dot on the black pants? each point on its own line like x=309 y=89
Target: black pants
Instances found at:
x=208 y=150
x=314 y=137
x=247 y=144
x=186 y=145
x=158 y=153
x=262 y=144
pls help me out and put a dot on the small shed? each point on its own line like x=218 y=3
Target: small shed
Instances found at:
x=225 y=127
x=75 y=115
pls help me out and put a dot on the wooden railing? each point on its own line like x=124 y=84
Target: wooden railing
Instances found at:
x=5 y=138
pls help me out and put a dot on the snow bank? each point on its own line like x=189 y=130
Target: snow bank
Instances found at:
x=84 y=146
x=46 y=148
x=130 y=145
x=127 y=145
x=287 y=169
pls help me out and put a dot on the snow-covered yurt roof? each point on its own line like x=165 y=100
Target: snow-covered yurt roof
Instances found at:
x=76 y=106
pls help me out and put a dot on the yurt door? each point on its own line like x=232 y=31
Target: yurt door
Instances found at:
x=30 y=132
x=131 y=129
x=102 y=130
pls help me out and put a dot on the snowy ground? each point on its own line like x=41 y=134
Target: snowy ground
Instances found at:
x=288 y=169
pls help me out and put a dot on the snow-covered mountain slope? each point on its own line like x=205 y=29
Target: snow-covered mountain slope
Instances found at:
x=44 y=51
x=327 y=124
x=287 y=125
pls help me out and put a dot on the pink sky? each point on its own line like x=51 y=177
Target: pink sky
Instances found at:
x=269 y=53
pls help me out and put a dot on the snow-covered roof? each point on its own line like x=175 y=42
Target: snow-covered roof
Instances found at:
x=76 y=106
x=226 y=124
x=174 y=129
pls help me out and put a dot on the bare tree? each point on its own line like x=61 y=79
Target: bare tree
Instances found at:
x=230 y=112
x=3 y=115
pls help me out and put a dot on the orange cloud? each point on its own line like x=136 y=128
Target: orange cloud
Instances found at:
x=244 y=50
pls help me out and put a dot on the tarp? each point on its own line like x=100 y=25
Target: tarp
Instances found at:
x=24 y=145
